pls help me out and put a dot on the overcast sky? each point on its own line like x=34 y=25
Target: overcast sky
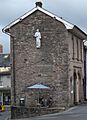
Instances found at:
x=74 y=11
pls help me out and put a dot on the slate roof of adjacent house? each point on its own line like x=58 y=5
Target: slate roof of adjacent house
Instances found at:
x=4 y=60
x=68 y=25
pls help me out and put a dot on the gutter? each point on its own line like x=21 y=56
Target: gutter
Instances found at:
x=80 y=30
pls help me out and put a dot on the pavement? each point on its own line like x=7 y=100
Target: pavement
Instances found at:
x=75 y=113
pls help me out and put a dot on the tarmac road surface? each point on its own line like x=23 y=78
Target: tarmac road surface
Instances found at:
x=75 y=113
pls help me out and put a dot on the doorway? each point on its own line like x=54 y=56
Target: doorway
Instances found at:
x=75 y=87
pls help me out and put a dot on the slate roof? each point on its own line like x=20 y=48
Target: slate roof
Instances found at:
x=68 y=25
x=4 y=60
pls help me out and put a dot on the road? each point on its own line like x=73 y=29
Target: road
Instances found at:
x=75 y=113
x=4 y=115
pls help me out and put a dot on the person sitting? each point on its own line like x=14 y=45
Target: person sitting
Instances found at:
x=49 y=102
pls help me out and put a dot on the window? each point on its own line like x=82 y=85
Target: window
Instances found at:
x=1 y=82
x=77 y=40
x=81 y=49
x=73 y=56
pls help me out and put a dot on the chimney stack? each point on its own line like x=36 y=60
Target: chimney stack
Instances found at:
x=39 y=3
x=1 y=49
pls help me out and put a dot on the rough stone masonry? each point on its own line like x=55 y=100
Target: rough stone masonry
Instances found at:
x=47 y=65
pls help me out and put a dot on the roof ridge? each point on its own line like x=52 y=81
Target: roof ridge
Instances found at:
x=67 y=24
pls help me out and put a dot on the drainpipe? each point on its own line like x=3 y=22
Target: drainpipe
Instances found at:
x=13 y=99
x=85 y=97
x=2 y=98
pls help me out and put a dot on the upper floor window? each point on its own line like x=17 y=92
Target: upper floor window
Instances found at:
x=81 y=43
x=77 y=41
x=76 y=48
x=73 y=55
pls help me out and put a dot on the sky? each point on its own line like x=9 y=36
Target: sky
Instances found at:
x=73 y=11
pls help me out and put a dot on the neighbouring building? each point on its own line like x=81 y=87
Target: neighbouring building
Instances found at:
x=1 y=49
x=85 y=71
x=5 y=79
x=48 y=50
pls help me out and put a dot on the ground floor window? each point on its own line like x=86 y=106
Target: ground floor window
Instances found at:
x=6 y=98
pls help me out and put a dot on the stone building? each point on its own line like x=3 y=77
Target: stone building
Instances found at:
x=85 y=71
x=57 y=62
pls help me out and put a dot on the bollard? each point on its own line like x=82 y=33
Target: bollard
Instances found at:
x=3 y=108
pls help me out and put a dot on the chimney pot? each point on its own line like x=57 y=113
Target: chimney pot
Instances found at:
x=39 y=3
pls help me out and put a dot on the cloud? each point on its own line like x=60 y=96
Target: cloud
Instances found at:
x=11 y=9
x=73 y=11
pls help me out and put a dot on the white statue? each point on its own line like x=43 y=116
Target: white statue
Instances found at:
x=38 y=38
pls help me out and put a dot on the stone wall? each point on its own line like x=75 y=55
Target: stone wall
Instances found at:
x=47 y=65
x=18 y=112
